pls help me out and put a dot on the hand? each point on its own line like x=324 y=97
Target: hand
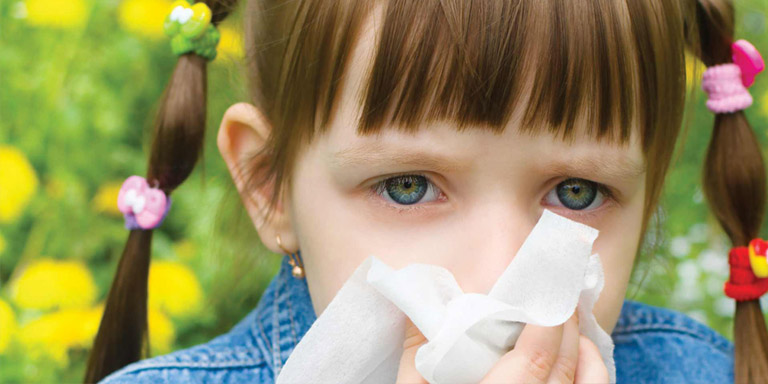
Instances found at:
x=557 y=354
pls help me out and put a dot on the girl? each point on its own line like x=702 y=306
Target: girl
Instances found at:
x=437 y=132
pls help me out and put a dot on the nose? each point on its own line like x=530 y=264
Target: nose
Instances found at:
x=495 y=231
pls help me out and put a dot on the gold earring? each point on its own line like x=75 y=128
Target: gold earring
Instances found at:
x=293 y=259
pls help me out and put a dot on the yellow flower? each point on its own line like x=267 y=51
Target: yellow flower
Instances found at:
x=53 y=334
x=174 y=288
x=230 y=43
x=56 y=13
x=161 y=332
x=18 y=183
x=47 y=284
x=106 y=198
x=144 y=17
x=694 y=68
x=7 y=325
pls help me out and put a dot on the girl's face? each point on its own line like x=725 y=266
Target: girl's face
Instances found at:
x=462 y=200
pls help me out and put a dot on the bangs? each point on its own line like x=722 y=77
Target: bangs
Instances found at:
x=550 y=64
x=474 y=62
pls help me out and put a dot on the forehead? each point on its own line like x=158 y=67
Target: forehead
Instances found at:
x=441 y=147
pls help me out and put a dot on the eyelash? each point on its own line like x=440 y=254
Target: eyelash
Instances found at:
x=380 y=188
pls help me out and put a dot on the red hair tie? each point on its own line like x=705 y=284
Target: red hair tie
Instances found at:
x=749 y=271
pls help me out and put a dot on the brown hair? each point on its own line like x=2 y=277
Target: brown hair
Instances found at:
x=734 y=184
x=618 y=67
x=176 y=146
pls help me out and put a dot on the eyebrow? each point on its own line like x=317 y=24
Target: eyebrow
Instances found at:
x=620 y=167
x=374 y=153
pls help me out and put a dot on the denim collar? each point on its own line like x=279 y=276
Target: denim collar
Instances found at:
x=283 y=315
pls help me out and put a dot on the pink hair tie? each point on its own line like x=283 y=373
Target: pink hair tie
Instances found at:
x=142 y=206
x=726 y=84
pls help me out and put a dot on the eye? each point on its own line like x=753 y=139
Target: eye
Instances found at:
x=578 y=194
x=407 y=189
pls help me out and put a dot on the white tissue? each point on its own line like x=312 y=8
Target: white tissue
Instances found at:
x=359 y=336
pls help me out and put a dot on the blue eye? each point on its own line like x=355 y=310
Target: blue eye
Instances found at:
x=577 y=194
x=407 y=189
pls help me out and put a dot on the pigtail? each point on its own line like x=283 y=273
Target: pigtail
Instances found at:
x=177 y=144
x=734 y=184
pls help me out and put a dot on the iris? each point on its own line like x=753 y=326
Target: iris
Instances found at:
x=576 y=193
x=408 y=189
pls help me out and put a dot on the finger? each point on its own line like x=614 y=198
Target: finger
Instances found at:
x=407 y=372
x=532 y=358
x=591 y=368
x=564 y=370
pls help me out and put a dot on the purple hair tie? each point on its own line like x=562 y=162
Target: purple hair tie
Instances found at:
x=726 y=84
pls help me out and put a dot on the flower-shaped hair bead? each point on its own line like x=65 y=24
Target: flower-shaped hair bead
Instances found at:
x=142 y=206
x=748 y=276
x=757 y=257
x=190 y=29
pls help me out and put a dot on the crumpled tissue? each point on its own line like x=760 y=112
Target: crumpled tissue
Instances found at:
x=359 y=336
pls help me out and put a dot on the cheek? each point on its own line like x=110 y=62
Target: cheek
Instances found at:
x=329 y=238
x=617 y=246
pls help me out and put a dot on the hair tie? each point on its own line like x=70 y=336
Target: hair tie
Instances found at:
x=748 y=271
x=190 y=29
x=726 y=84
x=142 y=206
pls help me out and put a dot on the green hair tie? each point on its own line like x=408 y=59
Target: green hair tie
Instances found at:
x=190 y=29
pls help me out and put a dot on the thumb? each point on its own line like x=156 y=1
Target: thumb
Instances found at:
x=407 y=372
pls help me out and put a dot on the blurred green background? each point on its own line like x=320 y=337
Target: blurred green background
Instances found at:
x=79 y=85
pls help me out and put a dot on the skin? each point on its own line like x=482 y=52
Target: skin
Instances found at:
x=489 y=191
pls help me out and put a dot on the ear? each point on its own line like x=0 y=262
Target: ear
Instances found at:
x=243 y=134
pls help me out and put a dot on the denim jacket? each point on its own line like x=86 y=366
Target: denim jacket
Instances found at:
x=652 y=345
